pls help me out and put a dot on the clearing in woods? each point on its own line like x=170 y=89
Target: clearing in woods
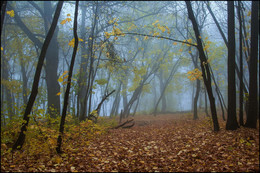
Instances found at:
x=169 y=142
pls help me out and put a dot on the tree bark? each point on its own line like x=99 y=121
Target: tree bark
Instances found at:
x=251 y=121
x=241 y=94
x=231 y=118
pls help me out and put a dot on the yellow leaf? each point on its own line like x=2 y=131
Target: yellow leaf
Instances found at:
x=10 y=13
x=2 y=48
x=107 y=35
x=58 y=93
x=200 y=37
x=72 y=42
x=136 y=39
x=65 y=72
x=174 y=43
x=63 y=22
x=60 y=79
x=146 y=37
x=155 y=22
x=249 y=13
x=68 y=15
x=180 y=50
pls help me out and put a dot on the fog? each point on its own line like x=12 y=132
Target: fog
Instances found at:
x=129 y=47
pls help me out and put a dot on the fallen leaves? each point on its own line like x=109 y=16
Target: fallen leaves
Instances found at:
x=162 y=145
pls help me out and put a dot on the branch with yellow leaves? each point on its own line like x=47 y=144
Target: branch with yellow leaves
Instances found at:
x=163 y=37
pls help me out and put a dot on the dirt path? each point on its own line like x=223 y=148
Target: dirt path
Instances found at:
x=171 y=145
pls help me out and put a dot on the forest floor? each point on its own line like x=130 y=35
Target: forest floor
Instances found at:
x=168 y=143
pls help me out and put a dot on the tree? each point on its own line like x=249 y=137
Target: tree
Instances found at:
x=251 y=121
x=204 y=67
x=231 y=118
x=241 y=94
x=66 y=97
x=20 y=141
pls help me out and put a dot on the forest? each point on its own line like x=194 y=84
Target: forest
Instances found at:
x=130 y=86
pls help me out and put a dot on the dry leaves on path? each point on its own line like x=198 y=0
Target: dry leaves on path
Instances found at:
x=165 y=144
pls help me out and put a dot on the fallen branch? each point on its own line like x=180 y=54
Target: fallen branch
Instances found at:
x=126 y=122
x=129 y=126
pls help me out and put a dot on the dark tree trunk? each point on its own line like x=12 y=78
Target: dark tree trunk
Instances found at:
x=66 y=96
x=204 y=67
x=20 y=141
x=231 y=117
x=241 y=97
x=251 y=121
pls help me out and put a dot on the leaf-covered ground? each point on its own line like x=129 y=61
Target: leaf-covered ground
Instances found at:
x=168 y=143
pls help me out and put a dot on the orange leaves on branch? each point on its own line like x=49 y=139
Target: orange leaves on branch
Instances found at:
x=194 y=74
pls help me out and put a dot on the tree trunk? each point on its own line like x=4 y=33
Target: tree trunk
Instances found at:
x=83 y=66
x=251 y=121
x=241 y=97
x=204 y=67
x=20 y=141
x=231 y=117
x=66 y=96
